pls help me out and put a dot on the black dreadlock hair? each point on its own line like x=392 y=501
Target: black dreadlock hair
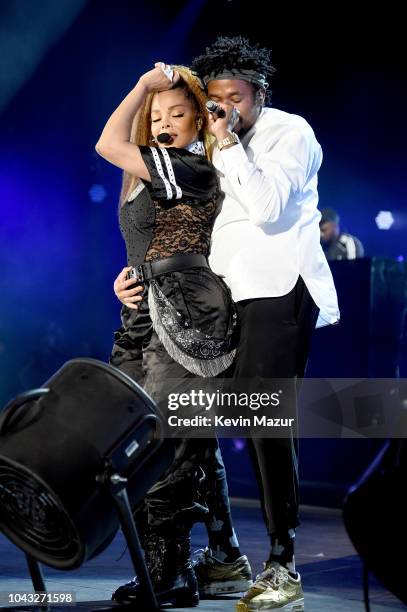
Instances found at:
x=235 y=52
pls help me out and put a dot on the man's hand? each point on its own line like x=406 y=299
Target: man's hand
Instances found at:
x=221 y=127
x=128 y=297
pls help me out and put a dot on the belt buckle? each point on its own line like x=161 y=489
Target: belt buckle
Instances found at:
x=136 y=273
x=139 y=271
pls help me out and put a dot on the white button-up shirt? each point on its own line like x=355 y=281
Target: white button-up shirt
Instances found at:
x=267 y=233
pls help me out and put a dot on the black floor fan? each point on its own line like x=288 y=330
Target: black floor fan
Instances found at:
x=75 y=457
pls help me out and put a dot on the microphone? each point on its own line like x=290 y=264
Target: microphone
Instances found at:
x=215 y=108
x=164 y=137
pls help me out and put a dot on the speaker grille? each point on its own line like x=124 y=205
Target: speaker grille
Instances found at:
x=34 y=519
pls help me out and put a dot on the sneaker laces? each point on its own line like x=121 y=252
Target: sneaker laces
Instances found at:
x=200 y=554
x=271 y=577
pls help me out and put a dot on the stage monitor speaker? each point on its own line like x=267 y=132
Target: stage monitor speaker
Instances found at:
x=375 y=512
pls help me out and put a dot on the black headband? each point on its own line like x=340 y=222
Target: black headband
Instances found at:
x=237 y=73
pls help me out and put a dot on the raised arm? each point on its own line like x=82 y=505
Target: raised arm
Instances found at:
x=114 y=143
x=283 y=168
x=265 y=187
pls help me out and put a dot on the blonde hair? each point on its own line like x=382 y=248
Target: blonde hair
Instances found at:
x=141 y=126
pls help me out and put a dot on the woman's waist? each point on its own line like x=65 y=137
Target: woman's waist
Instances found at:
x=162 y=251
x=200 y=297
x=178 y=262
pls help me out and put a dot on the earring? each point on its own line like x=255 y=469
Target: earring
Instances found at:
x=199 y=123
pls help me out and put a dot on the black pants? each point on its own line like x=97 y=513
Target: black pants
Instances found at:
x=274 y=343
x=194 y=487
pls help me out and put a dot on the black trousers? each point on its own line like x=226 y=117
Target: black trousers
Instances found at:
x=194 y=488
x=274 y=342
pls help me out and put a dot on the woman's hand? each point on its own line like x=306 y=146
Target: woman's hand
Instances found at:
x=158 y=79
x=128 y=297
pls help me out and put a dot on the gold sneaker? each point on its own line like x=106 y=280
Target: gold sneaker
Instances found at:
x=218 y=578
x=274 y=589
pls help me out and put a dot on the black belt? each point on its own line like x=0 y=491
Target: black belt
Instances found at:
x=149 y=269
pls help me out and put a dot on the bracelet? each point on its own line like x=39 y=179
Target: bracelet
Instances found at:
x=229 y=140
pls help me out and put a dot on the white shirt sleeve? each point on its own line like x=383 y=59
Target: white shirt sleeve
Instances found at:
x=264 y=188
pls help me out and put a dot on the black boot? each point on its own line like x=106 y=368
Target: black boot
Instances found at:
x=168 y=560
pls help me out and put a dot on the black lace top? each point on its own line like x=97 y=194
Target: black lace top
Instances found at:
x=181 y=228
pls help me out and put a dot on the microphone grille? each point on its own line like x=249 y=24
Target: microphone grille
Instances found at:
x=211 y=106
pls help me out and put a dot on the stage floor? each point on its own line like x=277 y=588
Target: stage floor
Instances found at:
x=330 y=569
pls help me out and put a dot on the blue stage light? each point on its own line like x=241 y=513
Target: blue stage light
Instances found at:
x=384 y=220
x=97 y=193
x=239 y=444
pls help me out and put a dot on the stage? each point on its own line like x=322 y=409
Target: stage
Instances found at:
x=331 y=570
